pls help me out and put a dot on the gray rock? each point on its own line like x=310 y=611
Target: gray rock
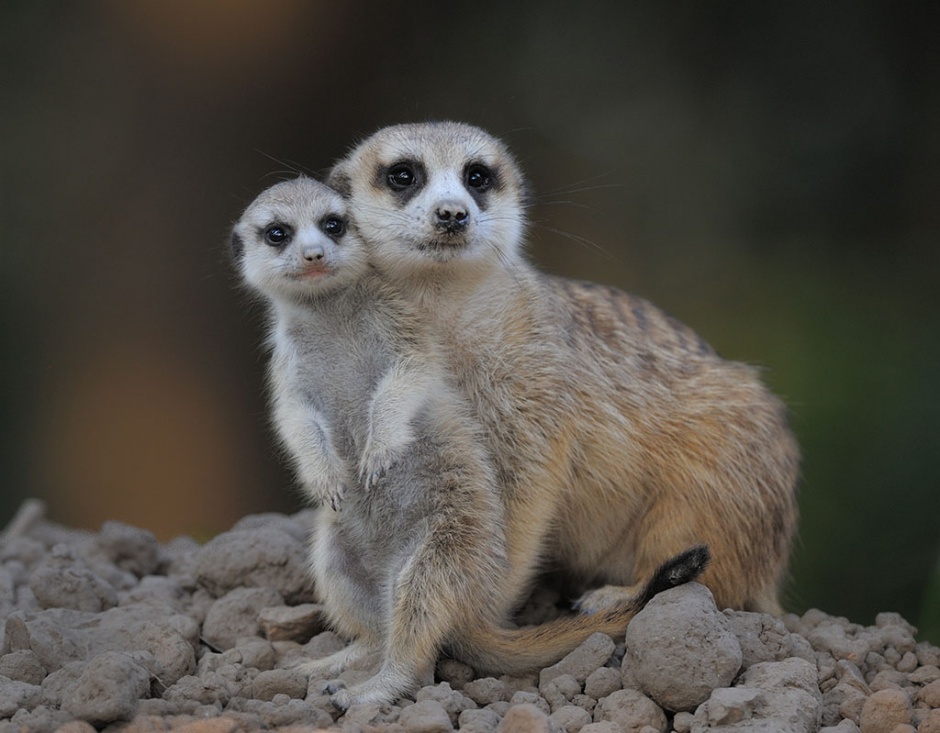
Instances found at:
x=294 y=712
x=526 y=683
x=682 y=722
x=201 y=690
x=219 y=687
x=453 y=701
x=108 y=689
x=631 y=710
x=427 y=716
x=15 y=695
x=454 y=672
x=679 y=648
x=131 y=549
x=522 y=697
x=22 y=666
x=280 y=712
x=771 y=696
x=571 y=718
x=606 y=726
x=763 y=638
x=299 y=526
x=41 y=719
x=63 y=580
x=293 y=623
x=526 y=718
x=560 y=691
x=791 y=673
x=255 y=653
x=885 y=710
x=262 y=557
x=279 y=681
x=846 y=698
x=602 y=682
x=59 y=636
x=59 y=684
x=832 y=636
x=845 y=726
x=235 y=615
x=585 y=702
x=486 y=690
x=159 y=590
x=478 y=721
x=593 y=653
x=842 y=701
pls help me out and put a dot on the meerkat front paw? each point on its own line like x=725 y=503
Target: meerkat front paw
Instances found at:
x=331 y=493
x=607 y=598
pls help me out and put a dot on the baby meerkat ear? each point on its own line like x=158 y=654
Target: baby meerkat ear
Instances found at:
x=237 y=245
x=339 y=179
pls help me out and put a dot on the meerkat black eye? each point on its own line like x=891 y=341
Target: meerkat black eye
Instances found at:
x=277 y=235
x=333 y=226
x=401 y=176
x=478 y=177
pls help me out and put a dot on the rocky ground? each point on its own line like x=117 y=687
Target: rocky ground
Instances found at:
x=114 y=631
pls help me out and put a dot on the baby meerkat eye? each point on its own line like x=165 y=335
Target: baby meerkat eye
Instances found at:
x=401 y=176
x=478 y=177
x=277 y=235
x=333 y=226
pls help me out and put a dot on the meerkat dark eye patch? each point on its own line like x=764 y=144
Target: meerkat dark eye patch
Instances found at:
x=403 y=179
x=278 y=235
x=333 y=226
x=479 y=179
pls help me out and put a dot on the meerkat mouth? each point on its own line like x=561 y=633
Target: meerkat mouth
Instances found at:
x=313 y=273
x=452 y=243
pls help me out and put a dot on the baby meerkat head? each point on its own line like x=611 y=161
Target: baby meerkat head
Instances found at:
x=435 y=195
x=294 y=242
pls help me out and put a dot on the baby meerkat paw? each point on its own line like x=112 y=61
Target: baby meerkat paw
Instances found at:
x=339 y=696
x=375 y=465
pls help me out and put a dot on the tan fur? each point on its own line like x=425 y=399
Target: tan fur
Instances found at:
x=409 y=552
x=619 y=437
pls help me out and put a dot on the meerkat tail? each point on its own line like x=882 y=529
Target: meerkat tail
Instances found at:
x=678 y=570
x=515 y=651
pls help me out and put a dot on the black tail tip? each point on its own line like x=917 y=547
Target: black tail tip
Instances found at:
x=678 y=570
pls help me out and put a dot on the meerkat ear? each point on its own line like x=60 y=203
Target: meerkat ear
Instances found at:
x=238 y=245
x=340 y=180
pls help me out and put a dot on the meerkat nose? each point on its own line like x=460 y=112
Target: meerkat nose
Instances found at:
x=313 y=253
x=451 y=216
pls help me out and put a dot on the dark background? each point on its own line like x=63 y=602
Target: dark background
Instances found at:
x=766 y=172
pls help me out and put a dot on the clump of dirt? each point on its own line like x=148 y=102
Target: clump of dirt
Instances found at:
x=115 y=631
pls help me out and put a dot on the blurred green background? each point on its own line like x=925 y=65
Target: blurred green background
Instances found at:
x=767 y=172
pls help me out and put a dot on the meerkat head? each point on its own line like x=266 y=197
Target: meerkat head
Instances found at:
x=434 y=196
x=294 y=242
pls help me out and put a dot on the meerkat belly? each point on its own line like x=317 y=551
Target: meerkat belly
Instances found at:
x=339 y=374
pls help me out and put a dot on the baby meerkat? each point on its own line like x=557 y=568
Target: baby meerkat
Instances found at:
x=408 y=553
x=618 y=436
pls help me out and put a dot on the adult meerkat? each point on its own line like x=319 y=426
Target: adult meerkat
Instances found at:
x=618 y=436
x=408 y=553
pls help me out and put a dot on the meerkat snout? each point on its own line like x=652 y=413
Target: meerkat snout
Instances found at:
x=451 y=216
x=313 y=252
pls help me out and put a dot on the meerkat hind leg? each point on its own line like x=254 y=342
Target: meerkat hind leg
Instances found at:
x=424 y=612
x=677 y=570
